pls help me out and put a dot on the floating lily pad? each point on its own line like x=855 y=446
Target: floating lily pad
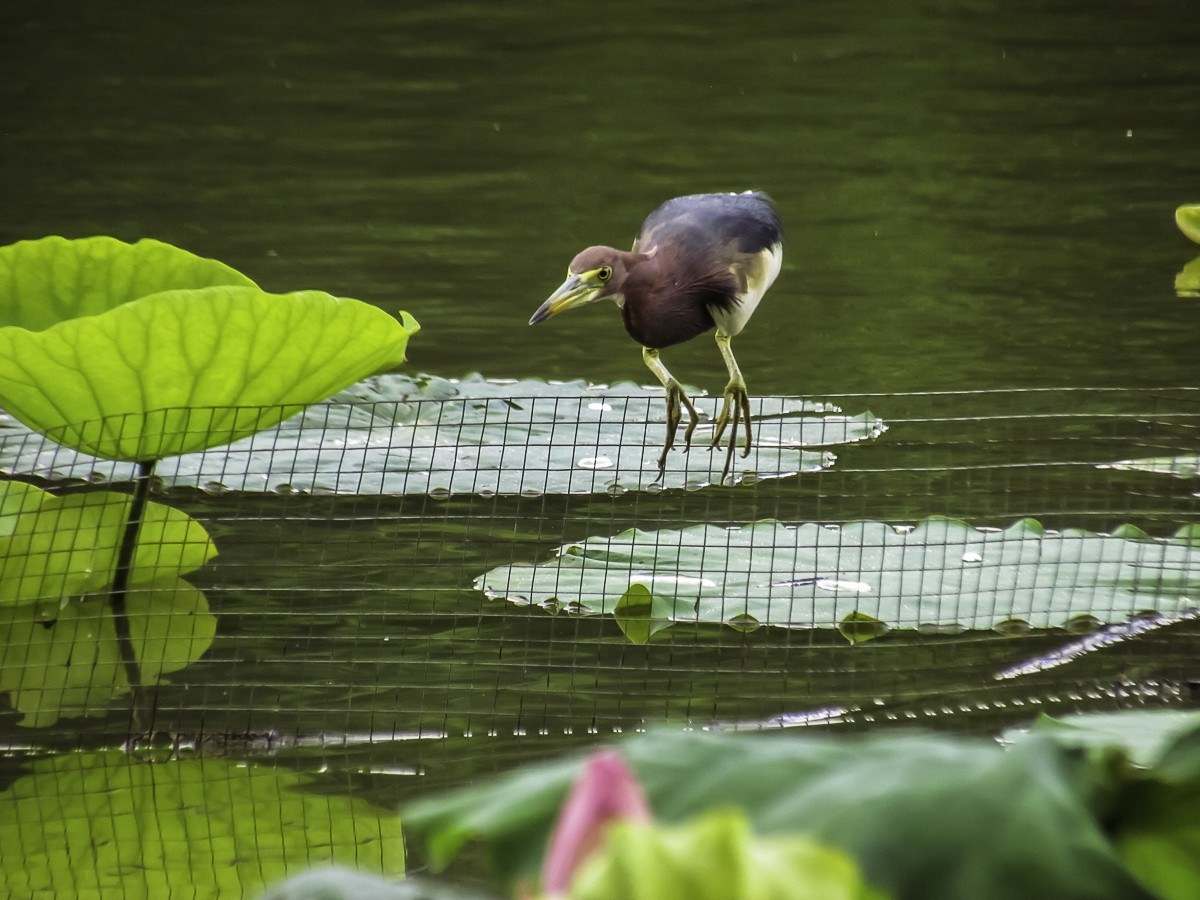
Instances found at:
x=184 y=828
x=54 y=548
x=183 y=370
x=940 y=573
x=68 y=663
x=401 y=435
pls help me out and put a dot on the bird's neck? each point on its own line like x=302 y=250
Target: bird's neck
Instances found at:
x=640 y=268
x=637 y=269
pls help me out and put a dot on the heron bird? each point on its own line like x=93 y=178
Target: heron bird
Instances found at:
x=699 y=262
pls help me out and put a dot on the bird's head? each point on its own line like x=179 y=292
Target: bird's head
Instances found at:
x=597 y=273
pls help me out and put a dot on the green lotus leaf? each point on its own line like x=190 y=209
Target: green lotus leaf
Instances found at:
x=54 y=548
x=1159 y=831
x=1187 y=280
x=1159 y=836
x=715 y=856
x=858 y=628
x=940 y=574
x=1144 y=736
x=182 y=370
x=69 y=663
x=640 y=613
x=50 y=280
x=16 y=499
x=1187 y=217
x=1155 y=824
x=400 y=434
x=184 y=828
x=924 y=816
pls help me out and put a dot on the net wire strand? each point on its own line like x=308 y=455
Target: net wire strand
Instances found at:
x=348 y=637
x=353 y=614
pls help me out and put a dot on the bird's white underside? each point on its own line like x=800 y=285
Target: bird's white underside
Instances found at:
x=760 y=274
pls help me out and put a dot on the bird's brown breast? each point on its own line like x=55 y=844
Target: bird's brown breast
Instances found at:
x=663 y=319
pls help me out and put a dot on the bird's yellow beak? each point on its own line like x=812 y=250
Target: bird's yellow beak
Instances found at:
x=577 y=290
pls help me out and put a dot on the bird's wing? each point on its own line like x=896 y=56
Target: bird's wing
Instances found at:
x=753 y=274
x=738 y=235
x=706 y=223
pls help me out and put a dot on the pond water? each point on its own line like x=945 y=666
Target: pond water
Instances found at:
x=978 y=196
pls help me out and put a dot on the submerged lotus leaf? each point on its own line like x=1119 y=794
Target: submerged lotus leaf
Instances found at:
x=53 y=548
x=1187 y=217
x=68 y=662
x=923 y=816
x=640 y=613
x=182 y=370
x=940 y=573
x=1181 y=466
x=426 y=435
x=46 y=281
x=181 y=828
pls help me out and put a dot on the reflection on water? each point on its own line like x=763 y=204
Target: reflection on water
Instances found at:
x=1187 y=282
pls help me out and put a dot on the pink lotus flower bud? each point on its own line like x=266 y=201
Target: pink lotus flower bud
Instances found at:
x=605 y=791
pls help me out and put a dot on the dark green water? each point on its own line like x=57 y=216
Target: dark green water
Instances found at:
x=977 y=195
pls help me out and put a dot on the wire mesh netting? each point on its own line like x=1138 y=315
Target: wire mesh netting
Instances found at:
x=435 y=578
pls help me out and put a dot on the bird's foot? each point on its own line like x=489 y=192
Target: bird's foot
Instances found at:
x=735 y=409
x=677 y=400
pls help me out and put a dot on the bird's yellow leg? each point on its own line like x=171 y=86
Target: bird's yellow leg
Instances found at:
x=735 y=406
x=676 y=399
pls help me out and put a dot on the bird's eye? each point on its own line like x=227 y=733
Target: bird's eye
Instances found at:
x=604 y=273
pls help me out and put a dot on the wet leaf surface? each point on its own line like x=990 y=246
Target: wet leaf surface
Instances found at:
x=401 y=435
x=941 y=573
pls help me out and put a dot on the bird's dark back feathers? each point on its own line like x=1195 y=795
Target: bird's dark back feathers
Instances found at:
x=708 y=224
x=700 y=244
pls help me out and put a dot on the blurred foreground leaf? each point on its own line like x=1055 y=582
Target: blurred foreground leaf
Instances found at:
x=925 y=817
x=715 y=856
